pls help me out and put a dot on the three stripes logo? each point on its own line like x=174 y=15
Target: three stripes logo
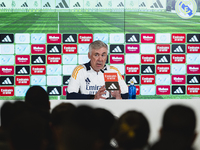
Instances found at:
x=120 y=5
x=66 y=80
x=7 y=38
x=163 y=59
x=147 y=69
x=132 y=38
x=116 y=48
x=22 y=70
x=157 y=4
x=69 y=38
x=2 y=4
x=54 y=49
x=35 y=59
x=47 y=5
x=142 y=5
x=77 y=5
x=191 y=79
x=112 y=86
x=178 y=90
x=135 y=78
x=87 y=81
x=193 y=38
x=99 y=5
x=6 y=80
x=24 y=5
x=54 y=90
x=178 y=48
x=62 y=4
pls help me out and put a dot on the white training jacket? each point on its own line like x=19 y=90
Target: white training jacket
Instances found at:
x=85 y=82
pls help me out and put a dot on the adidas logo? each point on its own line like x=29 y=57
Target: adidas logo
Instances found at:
x=142 y=5
x=6 y=39
x=112 y=87
x=117 y=49
x=54 y=91
x=62 y=4
x=87 y=81
x=54 y=50
x=134 y=80
x=132 y=39
x=6 y=81
x=163 y=59
x=77 y=5
x=22 y=71
x=178 y=49
x=178 y=91
x=120 y=5
x=47 y=5
x=67 y=82
x=148 y=70
x=38 y=60
x=24 y=5
x=70 y=39
x=99 y=5
x=157 y=5
x=194 y=39
x=2 y=4
x=194 y=80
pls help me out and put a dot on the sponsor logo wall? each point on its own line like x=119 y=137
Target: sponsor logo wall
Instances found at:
x=159 y=64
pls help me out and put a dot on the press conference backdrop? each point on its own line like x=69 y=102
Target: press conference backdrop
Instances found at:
x=154 y=42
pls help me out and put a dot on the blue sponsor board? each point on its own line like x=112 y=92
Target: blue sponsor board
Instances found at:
x=148 y=90
x=7 y=60
x=38 y=80
x=101 y=36
x=22 y=49
x=193 y=59
x=70 y=59
x=21 y=90
x=178 y=69
x=83 y=48
x=163 y=79
x=54 y=69
x=38 y=38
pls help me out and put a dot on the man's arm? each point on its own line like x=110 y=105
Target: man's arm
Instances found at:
x=73 y=88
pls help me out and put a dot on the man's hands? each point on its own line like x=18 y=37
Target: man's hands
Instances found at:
x=116 y=94
x=100 y=92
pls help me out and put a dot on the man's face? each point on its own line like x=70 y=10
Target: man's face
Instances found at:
x=98 y=58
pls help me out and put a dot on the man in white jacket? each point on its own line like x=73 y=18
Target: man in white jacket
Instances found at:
x=87 y=80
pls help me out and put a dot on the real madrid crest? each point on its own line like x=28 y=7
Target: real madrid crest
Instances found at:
x=186 y=9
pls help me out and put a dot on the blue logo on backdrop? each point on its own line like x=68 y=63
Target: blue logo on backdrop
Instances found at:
x=186 y=9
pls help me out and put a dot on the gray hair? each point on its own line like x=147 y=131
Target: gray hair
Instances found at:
x=97 y=45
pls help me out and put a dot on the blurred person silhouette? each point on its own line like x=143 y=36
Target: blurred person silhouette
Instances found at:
x=178 y=129
x=59 y=116
x=105 y=122
x=9 y=113
x=131 y=131
x=28 y=132
x=6 y=117
x=38 y=100
x=81 y=131
x=37 y=97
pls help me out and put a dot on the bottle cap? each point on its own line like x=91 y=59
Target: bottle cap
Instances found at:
x=131 y=82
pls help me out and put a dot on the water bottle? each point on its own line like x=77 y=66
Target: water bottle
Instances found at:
x=132 y=90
